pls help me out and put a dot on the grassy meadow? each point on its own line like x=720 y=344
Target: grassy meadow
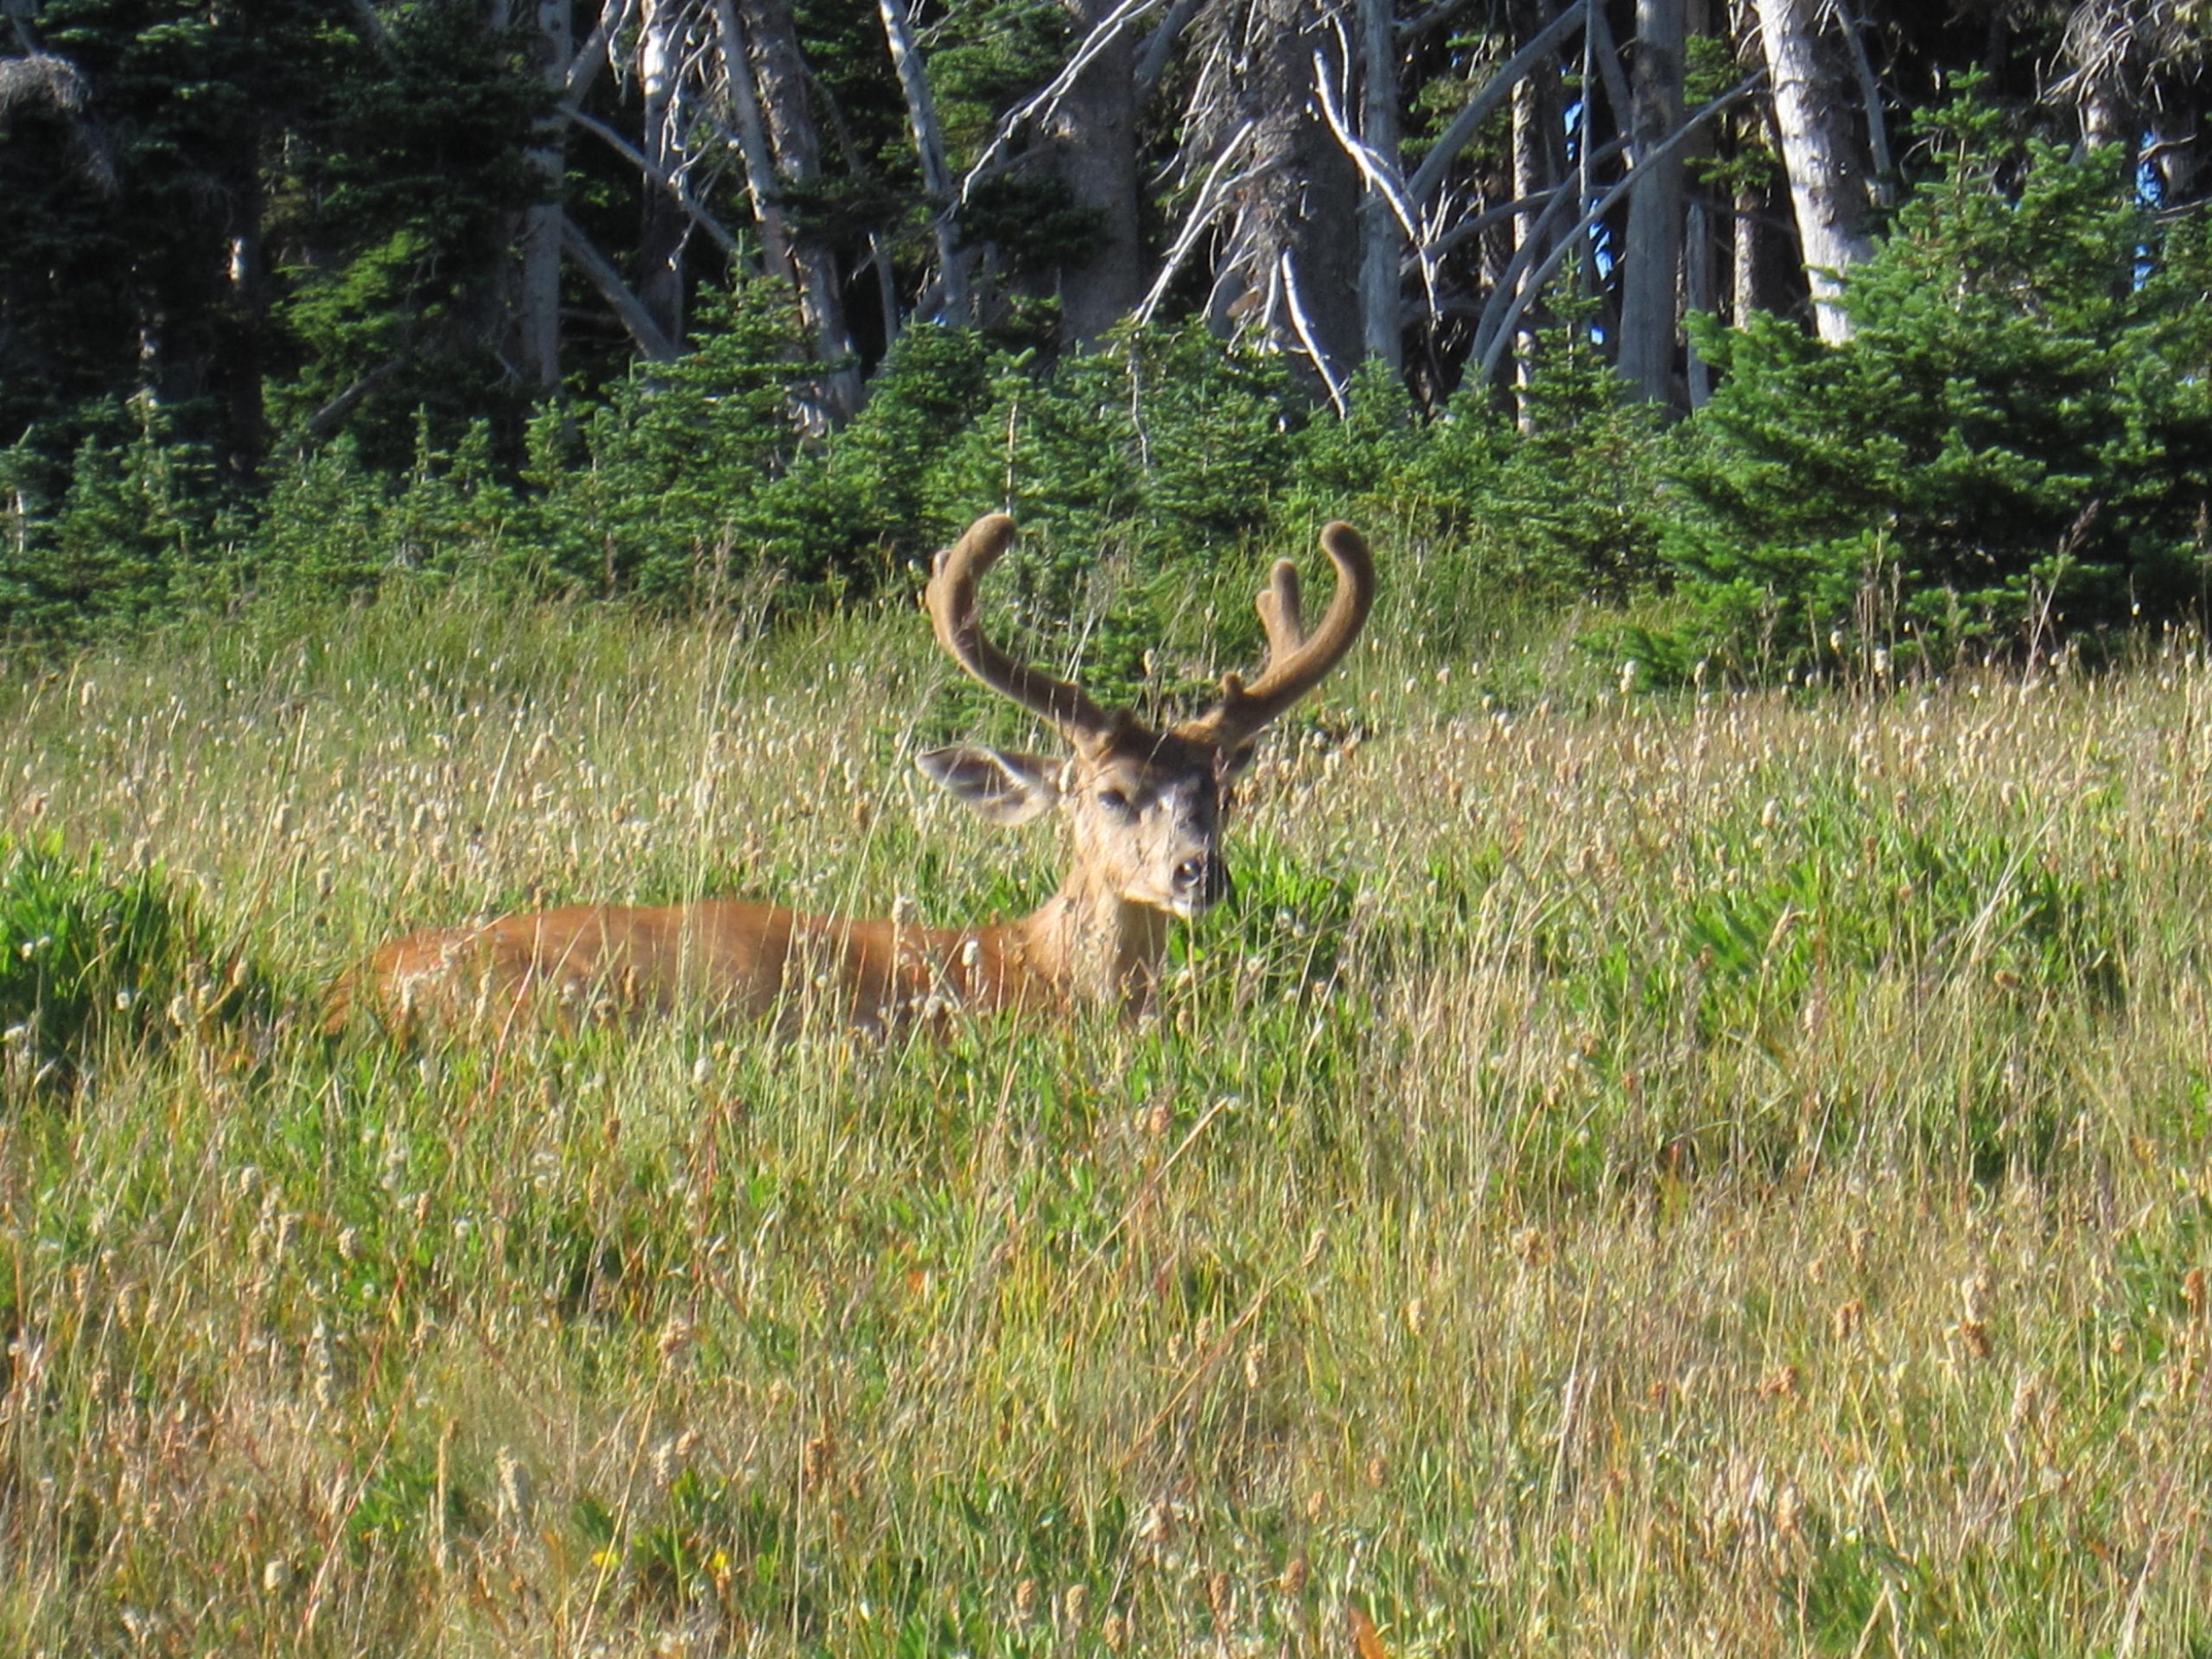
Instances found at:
x=1674 y=1174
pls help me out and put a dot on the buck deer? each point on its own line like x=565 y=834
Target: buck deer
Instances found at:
x=1144 y=809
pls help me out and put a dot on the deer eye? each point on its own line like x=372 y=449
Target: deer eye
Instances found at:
x=1114 y=801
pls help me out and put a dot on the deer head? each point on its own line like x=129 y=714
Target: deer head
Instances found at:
x=1144 y=806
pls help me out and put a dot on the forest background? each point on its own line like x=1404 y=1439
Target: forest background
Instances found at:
x=1802 y=329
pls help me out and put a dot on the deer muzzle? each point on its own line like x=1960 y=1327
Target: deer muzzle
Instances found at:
x=1201 y=882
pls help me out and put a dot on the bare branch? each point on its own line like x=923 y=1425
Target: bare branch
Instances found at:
x=1507 y=294
x=672 y=182
x=1489 y=351
x=1601 y=46
x=929 y=146
x=1212 y=192
x=1430 y=174
x=592 y=56
x=1540 y=201
x=1158 y=46
x=1414 y=27
x=1380 y=174
x=750 y=134
x=325 y=420
x=1870 y=96
x=1381 y=177
x=600 y=272
x=1304 y=328
x=1039 y=104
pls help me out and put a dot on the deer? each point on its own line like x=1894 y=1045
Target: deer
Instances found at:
x=1144 y=807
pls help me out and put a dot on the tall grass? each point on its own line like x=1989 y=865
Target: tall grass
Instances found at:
x=1720 y=1175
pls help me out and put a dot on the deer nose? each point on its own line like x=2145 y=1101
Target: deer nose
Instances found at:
x=1204 y=877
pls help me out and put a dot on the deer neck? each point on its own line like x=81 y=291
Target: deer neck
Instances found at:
x=1095 y=945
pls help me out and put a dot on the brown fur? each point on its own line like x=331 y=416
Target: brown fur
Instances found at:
x=1144 y=811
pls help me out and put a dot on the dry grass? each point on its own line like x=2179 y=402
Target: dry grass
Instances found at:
x=1703 y=1177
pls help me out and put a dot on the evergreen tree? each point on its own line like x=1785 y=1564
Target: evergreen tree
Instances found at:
x=2021 y=418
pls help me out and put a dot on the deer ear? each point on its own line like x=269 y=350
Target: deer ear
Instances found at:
x=1004 y=786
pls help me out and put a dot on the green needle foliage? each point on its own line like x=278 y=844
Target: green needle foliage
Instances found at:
x=2017 y=435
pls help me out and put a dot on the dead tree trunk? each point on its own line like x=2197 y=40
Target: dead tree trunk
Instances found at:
x=929 y=144
x=1536 y=163
x=766 y=81
x=1383 y=239
x=1093 y=135
x=538 y=286
x=1827 y=178
x=779 y=76
x=661 y=222
x=1651 y=262
x=1289 y=266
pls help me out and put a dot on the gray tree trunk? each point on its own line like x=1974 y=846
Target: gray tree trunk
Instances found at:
x=1093 y=137
x=929 y=144
x=1382 y=240
x=1537 y=164
x=1744 y=251
x=537 y=289
x=766 y=78
x=1828 y=177
x=1290 y=264
x=1697 y=293
x=1697 y=250
x=763 y=189
x=1652 y=256
x=662 y=223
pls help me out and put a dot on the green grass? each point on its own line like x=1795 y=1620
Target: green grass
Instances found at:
x=1726 y=1175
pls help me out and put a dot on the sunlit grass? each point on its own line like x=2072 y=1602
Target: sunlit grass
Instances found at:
x=1723 y=1174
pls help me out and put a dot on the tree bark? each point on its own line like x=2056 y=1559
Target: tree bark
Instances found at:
x=779 y=76
x=750 y=129
x=1652 y=258
x=1744 y=266
x=1531 y=58
x=1289 y=267
x=1093 y=139
x=1700 y=255
x=1383 y=239
x=1536 y=161
x=661 y=221
x=957 y=305
x=537 y=296
x=1827 y=178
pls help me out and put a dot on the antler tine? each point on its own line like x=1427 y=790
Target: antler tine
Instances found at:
x=951 y=600
x=1280 y=612
x=1296 y=662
